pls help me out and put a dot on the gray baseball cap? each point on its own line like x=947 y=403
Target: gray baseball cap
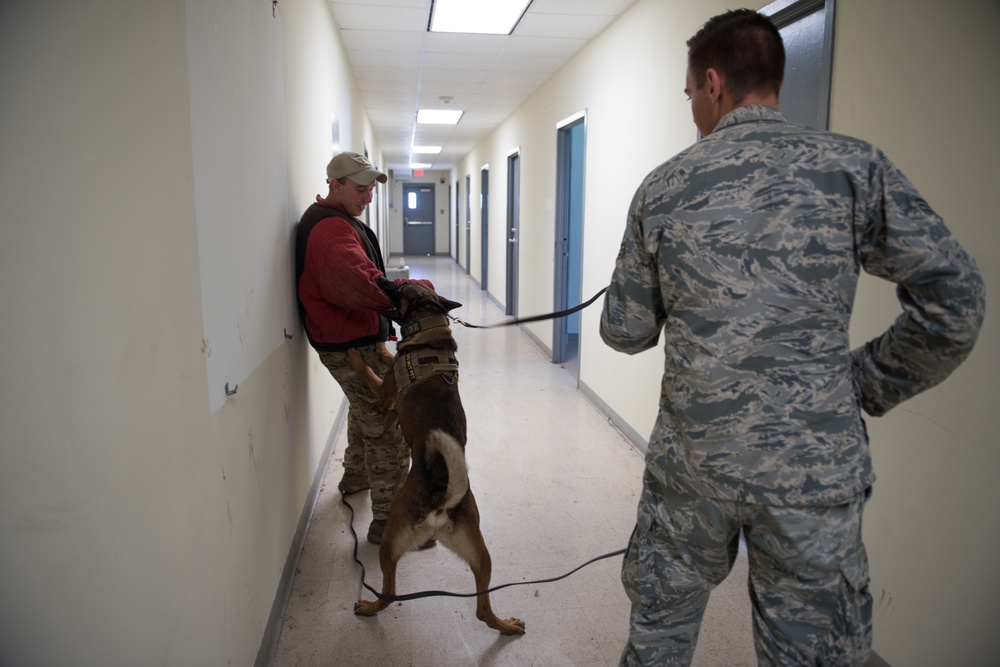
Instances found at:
x=355 y=167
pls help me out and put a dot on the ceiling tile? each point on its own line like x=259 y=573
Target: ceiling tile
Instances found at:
x=384 y=40
x=462 y=61
x=578 y=26
x=555 y=47
x=596 y=7
x=378 y=17
x=507 y=63
x=399 y=66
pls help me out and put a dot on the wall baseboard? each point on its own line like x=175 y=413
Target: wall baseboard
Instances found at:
x=545 y=349
x=876 y=661
x=269 y=643
x=640 y=443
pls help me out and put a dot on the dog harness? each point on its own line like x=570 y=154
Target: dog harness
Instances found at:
x=411 y=367
x=420 y=364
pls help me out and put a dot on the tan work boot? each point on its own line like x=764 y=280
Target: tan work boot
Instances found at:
x=350 y=483
x=375 y=531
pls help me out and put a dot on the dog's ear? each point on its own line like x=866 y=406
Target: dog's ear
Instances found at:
x=449 y=305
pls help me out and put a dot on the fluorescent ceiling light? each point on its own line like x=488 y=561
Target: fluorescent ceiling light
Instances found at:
x=438 y=116
x=419 y=165
x=485 y=17
x=433 y=150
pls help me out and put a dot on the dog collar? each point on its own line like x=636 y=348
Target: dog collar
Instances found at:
x=419 y=365
x=423 y=324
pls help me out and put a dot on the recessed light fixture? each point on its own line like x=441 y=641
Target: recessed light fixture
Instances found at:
x=438 y=116
x=431 y=150
x=495 y=17
x=420 y=165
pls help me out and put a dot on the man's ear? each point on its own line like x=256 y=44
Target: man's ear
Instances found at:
x=714 y=81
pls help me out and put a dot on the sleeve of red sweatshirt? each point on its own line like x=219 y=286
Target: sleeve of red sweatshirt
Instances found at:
x=343 y=272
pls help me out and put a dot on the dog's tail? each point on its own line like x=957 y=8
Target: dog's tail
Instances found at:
x=445 y=461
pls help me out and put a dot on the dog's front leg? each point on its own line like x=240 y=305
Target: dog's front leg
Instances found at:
x=384 y=354
x=388 y=390
x=364 y=371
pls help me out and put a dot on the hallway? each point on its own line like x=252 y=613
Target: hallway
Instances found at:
x=556 y=485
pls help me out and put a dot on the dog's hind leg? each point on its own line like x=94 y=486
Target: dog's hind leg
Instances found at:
x=469 y=545
x=387 y=561
x=483 y=571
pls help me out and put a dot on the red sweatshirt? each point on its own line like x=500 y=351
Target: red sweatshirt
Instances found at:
x=339 y=264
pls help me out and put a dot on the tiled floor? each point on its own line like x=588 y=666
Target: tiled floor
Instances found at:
x=556 y=486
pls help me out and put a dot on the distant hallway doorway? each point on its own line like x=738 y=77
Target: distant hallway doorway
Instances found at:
x=418 y=219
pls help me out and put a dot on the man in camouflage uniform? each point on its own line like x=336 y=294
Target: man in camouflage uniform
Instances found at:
x=340 y=268
x=745 y=251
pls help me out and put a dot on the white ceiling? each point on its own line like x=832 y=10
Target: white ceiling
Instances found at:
x=401 y=67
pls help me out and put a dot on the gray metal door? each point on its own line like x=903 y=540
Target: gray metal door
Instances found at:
x=468 y=223
x=484 y=246
x=418 y=219
x=513 y=216
x=806 y=27
x=570 y=147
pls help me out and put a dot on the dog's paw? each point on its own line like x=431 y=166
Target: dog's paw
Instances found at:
x=509 y=626
x=367 y=607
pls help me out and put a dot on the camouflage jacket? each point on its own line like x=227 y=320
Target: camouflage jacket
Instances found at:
x=745 y=250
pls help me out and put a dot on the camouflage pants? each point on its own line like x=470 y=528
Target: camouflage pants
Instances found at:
x=375 y=446
x=808 y=578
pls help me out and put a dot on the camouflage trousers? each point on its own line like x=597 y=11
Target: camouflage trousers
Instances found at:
x=808 y=578
x=375 y=446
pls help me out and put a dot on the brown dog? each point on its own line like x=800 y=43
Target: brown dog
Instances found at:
x=435 y=501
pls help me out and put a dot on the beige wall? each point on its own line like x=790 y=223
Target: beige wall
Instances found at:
x=137 y=525
x=914 y=78
x=924 y=102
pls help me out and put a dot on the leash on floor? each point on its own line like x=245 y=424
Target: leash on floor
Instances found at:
x=533 y=318
x=428 y=594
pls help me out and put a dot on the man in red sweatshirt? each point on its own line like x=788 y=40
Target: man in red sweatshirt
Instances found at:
x=339 y=267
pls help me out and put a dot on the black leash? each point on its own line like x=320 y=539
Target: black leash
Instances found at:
x=428 y=594
x=533 y=318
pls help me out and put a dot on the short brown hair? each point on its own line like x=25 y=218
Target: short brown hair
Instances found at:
x=745 y=47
